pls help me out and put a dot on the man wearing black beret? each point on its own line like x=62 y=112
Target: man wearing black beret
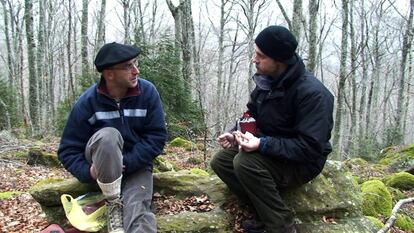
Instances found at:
x=114 y=131
x=293 y=113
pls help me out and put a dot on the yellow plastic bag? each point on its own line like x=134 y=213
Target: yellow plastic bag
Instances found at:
x=92 y=222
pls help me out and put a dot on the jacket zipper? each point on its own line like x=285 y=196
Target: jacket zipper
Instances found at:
x=121 y=112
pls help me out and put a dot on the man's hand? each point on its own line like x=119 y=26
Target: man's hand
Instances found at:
x=247 y=142
x=226 y=140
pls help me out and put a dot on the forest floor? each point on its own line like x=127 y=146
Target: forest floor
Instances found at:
x=21 y=213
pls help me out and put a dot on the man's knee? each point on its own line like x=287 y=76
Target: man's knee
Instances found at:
x=109 y=137
x=245 y=162
x=214 y=163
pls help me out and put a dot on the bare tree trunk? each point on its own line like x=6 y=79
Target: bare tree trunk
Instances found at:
x=33 y=87
x=408 y=93
x=177 y=15
x=50 y=56
x=152 y=26
x=313 y=27
x=364 y=78
x=297 y=19
x=100 y=37
x=342 y=79
x=232 y=80
x=139 y=32
x=407 y=40
x=8 y=45
x=71 y=81
x=252 y=11
x=41 y=60
x=126 y=5
x=220 y=64
x=182 y=17
x=354 y=56
x=84 y=39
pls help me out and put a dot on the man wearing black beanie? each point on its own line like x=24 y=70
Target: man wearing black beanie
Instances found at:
x=293 y=116
x=114 y=131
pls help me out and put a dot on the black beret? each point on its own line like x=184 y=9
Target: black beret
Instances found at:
x=114 y=53
x=278 y=43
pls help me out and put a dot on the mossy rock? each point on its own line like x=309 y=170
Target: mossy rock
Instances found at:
x=216 y=221
x=401 y=180
x=378 y=223
x=396 y=194
x=180 y=142
x=199 y=172
x=36 y=156
x=195 y=160
x=185 y=183
x=377 y=199
x=404 y=222
x=365 y=170
x=399 y=159
x=8 y=195
x=162 y=165
x=48 y=191
x=348 y=225
x=333 y=193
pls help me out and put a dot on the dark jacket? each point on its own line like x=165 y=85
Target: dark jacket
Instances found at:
x=294 y=116
x=139 y=117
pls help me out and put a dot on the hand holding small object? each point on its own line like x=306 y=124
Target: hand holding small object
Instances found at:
x=226 y=140
x=247 y=142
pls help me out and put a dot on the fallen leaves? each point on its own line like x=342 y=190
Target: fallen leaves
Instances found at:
x=170 y=205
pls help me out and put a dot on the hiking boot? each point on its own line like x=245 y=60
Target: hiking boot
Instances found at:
x=114 y=215
x=253 y=226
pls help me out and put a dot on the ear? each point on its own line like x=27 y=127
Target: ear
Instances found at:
x=107 y=74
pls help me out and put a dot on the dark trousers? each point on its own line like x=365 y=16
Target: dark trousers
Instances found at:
x=257 y=180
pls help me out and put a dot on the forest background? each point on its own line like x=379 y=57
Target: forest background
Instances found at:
x=198 y=54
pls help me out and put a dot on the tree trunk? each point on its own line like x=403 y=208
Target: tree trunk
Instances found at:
x=71 y=81
x=251 y=10
x=33 y=80
x=139 y=32
x=407 y=40
x=183 y=21
x=354 y=56
x=100 y=37
x=84 y=39
x=8 y=45
x=313 y=27
x=220 y=65
x=297 y=18
x=342 y=79
x=126 y=5
x=364 y=78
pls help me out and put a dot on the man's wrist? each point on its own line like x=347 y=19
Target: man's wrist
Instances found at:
x=262 y=144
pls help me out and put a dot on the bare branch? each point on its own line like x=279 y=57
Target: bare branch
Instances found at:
x=393 y=216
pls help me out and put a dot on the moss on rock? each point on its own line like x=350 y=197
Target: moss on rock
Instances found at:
x=199 y=172
x=378 y=223
x=180 y=142
x=404 y=222
x=377 y=200
x=401 y=180
x=8 y=195
x=399 y=159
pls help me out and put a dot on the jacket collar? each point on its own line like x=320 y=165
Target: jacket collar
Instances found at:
x=102 y=89
x=284 y=81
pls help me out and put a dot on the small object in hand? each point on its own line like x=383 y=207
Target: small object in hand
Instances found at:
x=247 y=124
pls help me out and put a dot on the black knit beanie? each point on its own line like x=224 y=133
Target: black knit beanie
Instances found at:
x=278 y=43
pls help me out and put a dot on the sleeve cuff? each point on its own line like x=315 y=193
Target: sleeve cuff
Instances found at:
x=263 y=145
